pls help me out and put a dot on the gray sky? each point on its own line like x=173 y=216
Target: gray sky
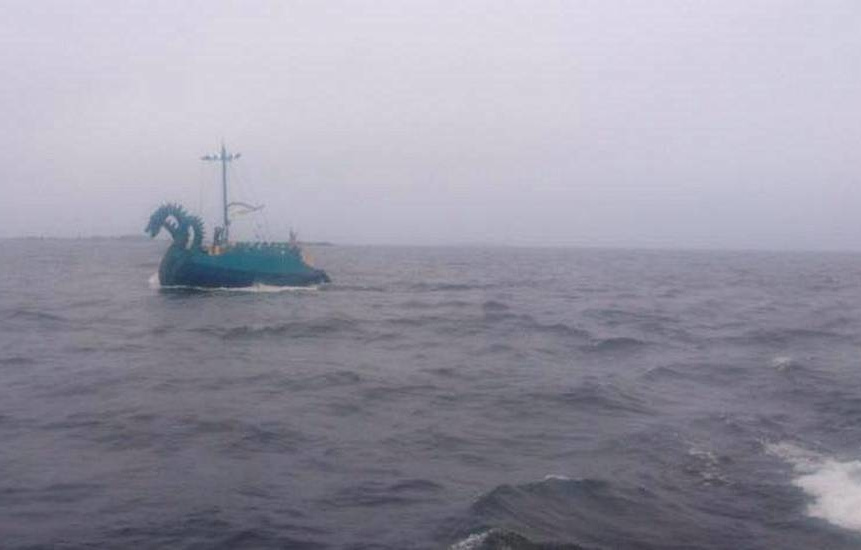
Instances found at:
x=608 y=123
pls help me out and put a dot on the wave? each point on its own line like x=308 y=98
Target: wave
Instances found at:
x=493 y=305
x=212 y=527
x=296 y=329
x=561 y=329
x=619 y=343
x=503 y=539
x=588 y=513
x=597 y=397
x=685 y=376
x=352 y=288
x=544 y=494
x=327 y=380
x=497 y=312
x=617 y=316
x=571 y=512
x=421 y=305
x=55 y=493
x=38 y=316
x=707 y=465
x=248 y=437
x=669 y=373
x=91 y=302
x=782 y=336
x=415 y=485
x=834 y=485
x=494 y=317
x=500 y=348
x=16 y=361
x=443 y=287
x=373 y=494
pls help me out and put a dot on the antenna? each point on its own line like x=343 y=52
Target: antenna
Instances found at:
x=223 y=157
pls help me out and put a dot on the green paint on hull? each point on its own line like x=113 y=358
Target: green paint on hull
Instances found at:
x=238 y=266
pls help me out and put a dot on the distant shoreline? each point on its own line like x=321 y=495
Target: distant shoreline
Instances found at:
x=136 y=238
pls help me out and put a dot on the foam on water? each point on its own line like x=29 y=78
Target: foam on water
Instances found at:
x=834 y=485
x=707 y=464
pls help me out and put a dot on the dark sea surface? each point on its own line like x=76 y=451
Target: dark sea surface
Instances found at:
x=432 y=398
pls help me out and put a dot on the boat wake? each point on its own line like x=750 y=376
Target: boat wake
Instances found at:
x=257 y=288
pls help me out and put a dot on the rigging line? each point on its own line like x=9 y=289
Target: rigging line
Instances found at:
x=242 y=193
x=262 y=217
x=234 y=193
x=201 y=182
x=250 y=188
x=266 y=229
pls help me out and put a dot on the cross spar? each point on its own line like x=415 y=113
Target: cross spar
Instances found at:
x=223 y=157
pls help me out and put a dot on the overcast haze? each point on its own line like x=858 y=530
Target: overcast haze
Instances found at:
x=729 y=124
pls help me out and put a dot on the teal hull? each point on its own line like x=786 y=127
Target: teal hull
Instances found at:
x=240 y=265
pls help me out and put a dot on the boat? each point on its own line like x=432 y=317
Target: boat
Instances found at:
x=189 y=262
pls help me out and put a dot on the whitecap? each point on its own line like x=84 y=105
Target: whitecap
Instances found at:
x=556 y=477
x=783 y=363
x=835 y=485
x=471 y=542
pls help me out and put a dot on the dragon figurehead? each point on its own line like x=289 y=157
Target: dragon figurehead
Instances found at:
x=179 y=223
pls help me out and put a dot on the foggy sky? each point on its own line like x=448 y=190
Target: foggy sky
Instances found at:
x=731 y=124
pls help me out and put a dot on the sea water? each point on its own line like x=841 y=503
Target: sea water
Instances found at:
x=432 y=398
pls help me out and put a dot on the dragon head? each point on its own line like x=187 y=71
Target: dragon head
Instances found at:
x=176 y=221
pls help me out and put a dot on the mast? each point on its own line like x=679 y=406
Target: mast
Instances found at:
x=223 y=157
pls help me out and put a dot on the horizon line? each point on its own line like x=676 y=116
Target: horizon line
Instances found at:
x=585 y=246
